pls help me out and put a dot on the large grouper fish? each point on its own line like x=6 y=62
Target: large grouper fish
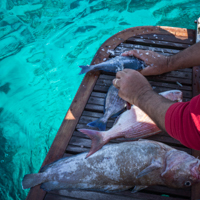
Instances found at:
x=133 y=123
x=119 y=167
x=113 y=106
x=116 y=64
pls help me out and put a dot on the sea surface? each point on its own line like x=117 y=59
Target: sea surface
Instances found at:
x=42 y=43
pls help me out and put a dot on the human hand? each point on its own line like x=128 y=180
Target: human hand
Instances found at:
x=132 y=85
x=156 y=63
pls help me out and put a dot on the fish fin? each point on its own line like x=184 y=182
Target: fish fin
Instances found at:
x=99 y=124
x=128 y=105
x=84 y=69
x=44 y=168
x=138 y=188
x=116 y=120
x=97 y=140
x=31 y=180
x=153 y=166
x=51 y=185
x=118 y=113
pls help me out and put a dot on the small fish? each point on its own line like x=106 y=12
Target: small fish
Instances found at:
x=113 y=106
x=116 y=64
x=120 y=167
x=133 y=123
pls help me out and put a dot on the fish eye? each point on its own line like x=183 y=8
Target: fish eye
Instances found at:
x=188 y=183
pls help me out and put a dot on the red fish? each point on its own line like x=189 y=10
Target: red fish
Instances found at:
x=133 y=123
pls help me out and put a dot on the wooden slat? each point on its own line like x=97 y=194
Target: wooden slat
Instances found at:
x=150 y=196
x=86 y=143
x=186 y=96
x=161 y=137
x=58 y=197
x=126 y=47
x=108 y=82
x=126 y=195
x=63 y=136
x=154 y=42
x=184 y=192
x=168 y=38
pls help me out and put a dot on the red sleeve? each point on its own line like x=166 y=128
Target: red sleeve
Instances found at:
x=182 y=122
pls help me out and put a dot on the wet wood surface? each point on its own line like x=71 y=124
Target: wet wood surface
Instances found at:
x=88 y=106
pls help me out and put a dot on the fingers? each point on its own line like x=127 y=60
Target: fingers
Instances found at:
x=116 y=82
x=120 y=74
x=136 y=53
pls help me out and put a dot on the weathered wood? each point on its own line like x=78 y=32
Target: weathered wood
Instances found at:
x=58 y=197
x=63 y=136
x=153 y=42
x=149 y=196
x=168 y=38
x=126 y=195
x=170 y=79
x=86 y=143
x=161 y=137
x=186 y=192
x=122 y=36
x=171 y=86
x=127 y=46
x=93 y=107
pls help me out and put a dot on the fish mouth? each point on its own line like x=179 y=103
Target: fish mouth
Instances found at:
x=195 y=170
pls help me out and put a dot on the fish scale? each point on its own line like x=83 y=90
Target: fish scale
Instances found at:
x=119 y=167
x=133 y=123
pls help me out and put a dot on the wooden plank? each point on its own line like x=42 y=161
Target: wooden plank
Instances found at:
x=108 y=82
x=76 y=149
x=154 y=42
x=63 y=136
x=93 y=107
x=186 y=96
x=126 y=195
x=169 y=79
x=86 y=143
x=122 y=36
x=184 y=192
x=127 y=46
x=149 y=196
x=161 y=137
x=58 y=197
x=169 y=38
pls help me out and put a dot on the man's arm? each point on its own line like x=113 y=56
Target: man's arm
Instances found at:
x=159 y=64
x=134 y=88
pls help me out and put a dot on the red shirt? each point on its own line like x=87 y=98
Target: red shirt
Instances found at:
x=182 y=122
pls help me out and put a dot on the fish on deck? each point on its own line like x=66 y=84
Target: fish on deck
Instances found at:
x=116 y=64
x=119 y=167
x=133 y=123
x=113 y=106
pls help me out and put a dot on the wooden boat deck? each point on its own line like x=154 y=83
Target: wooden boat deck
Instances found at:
x=88 y=106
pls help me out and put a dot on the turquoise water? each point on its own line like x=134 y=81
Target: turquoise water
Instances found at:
x=42 y=43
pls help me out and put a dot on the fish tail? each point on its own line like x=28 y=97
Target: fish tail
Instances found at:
x=99 y=124
x=97 y=140
x=84 y=69
x=31 y=180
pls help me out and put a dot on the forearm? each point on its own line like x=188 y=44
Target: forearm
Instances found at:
x=155 y=106
x=186 y=58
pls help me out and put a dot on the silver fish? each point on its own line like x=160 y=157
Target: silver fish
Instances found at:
x=113 y=106
x=119 y=167
x=116 y=64
x=133 y=123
